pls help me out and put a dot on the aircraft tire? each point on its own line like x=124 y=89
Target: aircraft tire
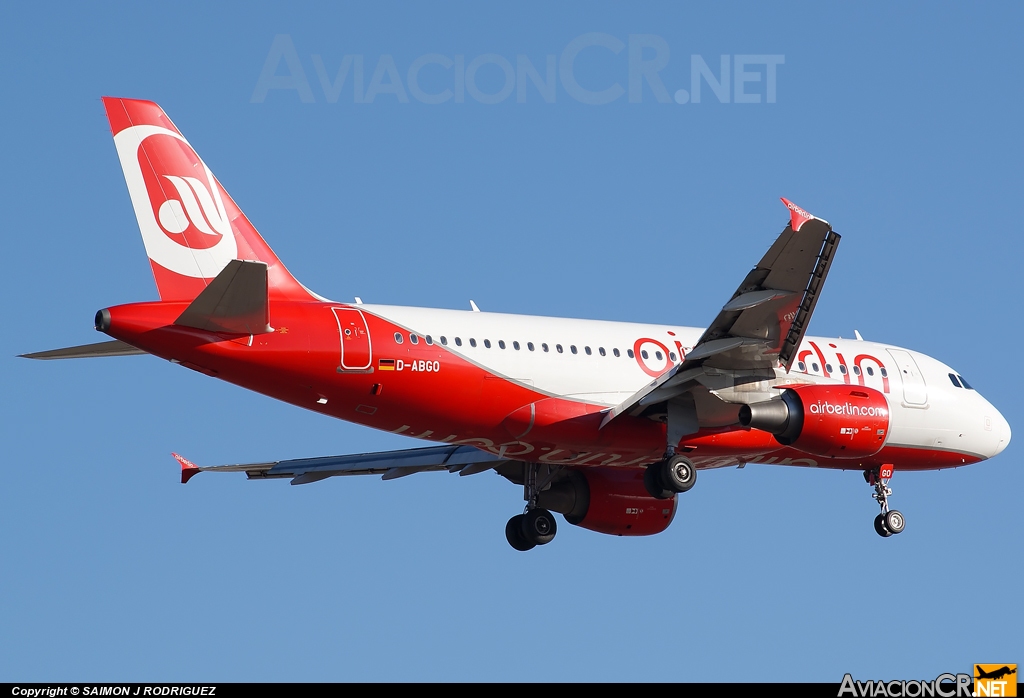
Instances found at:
x=539 y=526
x=880 y=528
x=894 y=522
x=652 y=482
x=679 y=474
x=514 y=534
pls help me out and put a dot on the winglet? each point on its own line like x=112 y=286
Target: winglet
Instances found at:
x=188 y=468
x=797 y=216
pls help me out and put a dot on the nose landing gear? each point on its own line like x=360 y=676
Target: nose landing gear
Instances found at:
x=890 y=521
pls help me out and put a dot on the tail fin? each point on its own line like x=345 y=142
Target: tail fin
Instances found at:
x=190 y=225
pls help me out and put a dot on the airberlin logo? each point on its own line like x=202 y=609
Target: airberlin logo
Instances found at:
x=846 y=409
x=177 y=201
x=193 y=209
x=799 y=211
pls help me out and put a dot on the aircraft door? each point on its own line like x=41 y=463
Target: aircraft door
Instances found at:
x=915 y=391
x=356 y=354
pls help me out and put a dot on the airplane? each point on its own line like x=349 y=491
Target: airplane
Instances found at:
x=996 y=674
x=605 y=423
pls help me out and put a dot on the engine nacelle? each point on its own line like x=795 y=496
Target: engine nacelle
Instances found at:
x=609 y=500
x=836 y=421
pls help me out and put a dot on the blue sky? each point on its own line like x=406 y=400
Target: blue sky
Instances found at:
x=899 y=124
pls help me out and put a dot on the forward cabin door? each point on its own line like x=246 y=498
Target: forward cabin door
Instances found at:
x=915 y=392
x=356 y=352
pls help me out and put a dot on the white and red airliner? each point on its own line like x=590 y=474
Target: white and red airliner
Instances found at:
x=603 y=422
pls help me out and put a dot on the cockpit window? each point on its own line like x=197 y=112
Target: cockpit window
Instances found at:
x=965 y=383
x=955 y=382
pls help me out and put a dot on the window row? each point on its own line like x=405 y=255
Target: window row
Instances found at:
x=414 y=339
x=801 y=366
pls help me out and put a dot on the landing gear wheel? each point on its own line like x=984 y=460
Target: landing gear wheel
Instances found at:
x=880 y=528
x=678 y=473
x=539 y=527
x=652 y=482
x=894 y=521
x=514 y=534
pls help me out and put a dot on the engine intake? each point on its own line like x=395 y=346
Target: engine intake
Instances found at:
x=825 y=420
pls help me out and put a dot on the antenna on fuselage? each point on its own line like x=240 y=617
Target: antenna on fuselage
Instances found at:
x=473 y=306
x=857 y=335
x=359 y=301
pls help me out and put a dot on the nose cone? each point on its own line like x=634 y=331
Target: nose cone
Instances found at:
x=1000 y=432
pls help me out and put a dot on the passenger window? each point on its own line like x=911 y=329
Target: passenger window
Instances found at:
x=842 y=369
x=487 y=343
x=515 y=345
x=428 y=339
x=529 y=345
x=955 y=382
x=659 y=355
x=883 y=372
x=871 y=371
x=444 y=340
x=600 y=350
x=558 y=348
x=856 y=370
x=458 y=341
x=501 y=343
x=629 y=353
x=472 y=342
x=544 y=346
x=814 y=367
x=414 y=339
x=615 y=353
x=672 y=356
x=643 y=353
x=398 y=337
x=965 y=383
x=572 y=348
x=587 y=350
x=828 y=368
x=801 y=366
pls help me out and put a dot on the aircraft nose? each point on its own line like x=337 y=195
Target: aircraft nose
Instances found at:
x=1000 y=431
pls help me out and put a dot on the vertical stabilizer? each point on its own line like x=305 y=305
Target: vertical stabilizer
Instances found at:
x=190 y=225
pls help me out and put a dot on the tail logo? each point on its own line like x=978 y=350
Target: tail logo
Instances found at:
x=177 y=201
x=193 y=210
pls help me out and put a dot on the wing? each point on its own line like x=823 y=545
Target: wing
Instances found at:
x=465 y=460
x=761 y=326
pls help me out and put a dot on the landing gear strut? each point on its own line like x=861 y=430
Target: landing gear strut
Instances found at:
x=889 y=522
x=672 y=474
x=535 y=526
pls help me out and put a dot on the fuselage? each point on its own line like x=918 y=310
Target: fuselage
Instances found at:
x=537 y=388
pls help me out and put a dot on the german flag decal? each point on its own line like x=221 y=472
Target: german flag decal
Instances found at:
x=386 y=365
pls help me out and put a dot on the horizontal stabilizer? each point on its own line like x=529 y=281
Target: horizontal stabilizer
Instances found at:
x=85 y=351
x=236 y=301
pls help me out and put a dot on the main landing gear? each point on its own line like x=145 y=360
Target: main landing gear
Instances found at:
x=672 y=474
x=890 y=521
x=536 y=526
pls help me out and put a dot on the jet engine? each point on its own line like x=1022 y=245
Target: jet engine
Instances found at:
x=609 y=500
x=825 y=420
